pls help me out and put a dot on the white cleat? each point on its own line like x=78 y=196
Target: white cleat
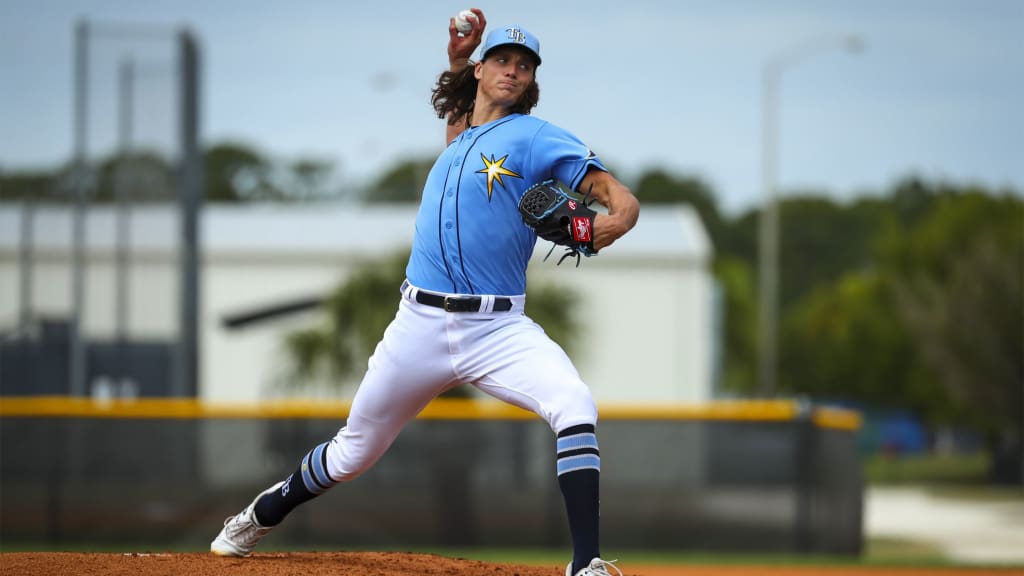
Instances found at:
x=241 y=532
x=597 y=567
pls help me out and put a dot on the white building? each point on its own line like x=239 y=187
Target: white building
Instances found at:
x=647 y=309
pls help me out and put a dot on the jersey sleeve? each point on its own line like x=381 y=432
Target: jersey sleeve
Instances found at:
x=568 y=157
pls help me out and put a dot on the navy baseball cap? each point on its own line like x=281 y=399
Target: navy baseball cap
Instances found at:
x=516 y=35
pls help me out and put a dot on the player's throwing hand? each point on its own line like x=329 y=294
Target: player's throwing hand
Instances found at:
x=461 y=45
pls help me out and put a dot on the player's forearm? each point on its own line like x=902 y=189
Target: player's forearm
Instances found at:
x=619 y=201
x=456 y=65
x=623 y=207
x=623 y=211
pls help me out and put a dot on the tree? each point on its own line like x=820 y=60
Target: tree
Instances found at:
x=931 y=320
x=659 y=187
x=960 y=280
x=821 y=240
x=357 y=312
x=846 y=341
x=402 y=184
x=139 y=175
x=143 y=175
x=912 y=198
x=736 y=279
x=34 y=184
x=310 y=178
x=235 y=172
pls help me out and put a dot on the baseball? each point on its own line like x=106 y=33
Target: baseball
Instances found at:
x=464 y=21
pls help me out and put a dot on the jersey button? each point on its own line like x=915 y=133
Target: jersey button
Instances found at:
x=448 y=225
x=450 y=194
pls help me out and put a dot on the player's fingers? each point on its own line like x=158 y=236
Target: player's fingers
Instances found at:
x=480 y=25
x=480 y=19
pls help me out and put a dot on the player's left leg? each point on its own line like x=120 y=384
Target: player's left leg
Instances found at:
x=579 y=475
x=515 y=361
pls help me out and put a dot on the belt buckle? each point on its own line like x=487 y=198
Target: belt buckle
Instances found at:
x=448 y=303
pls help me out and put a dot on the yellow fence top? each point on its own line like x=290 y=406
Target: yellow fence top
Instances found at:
x=439 y=409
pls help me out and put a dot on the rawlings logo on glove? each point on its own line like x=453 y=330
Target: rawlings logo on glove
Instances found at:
x=556 y=217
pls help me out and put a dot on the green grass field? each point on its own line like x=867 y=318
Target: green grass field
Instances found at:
x=927 y=469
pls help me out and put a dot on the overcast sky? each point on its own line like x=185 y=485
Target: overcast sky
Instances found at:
x=937 y=91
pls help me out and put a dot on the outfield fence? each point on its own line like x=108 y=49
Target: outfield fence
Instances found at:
x=727 y=476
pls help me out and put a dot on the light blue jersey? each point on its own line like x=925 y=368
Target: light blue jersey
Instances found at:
x=470 y=238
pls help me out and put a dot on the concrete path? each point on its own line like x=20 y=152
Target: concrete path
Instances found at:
x=976 y=531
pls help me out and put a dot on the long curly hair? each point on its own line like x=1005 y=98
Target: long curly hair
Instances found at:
x=454 y=96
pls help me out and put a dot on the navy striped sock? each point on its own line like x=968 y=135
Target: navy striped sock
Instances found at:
x=579 y=472
x=308 y=482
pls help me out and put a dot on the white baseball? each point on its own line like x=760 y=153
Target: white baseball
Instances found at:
x=462 y=21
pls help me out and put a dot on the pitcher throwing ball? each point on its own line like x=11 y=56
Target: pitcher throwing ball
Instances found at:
x=460 y=317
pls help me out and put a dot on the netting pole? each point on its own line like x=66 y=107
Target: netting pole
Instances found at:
x=77 y=361
x=190 y=182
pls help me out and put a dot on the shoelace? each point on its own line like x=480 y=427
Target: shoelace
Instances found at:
x=245 y=528
x=603 y=566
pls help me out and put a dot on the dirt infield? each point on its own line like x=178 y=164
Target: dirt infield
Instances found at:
x=389 y=564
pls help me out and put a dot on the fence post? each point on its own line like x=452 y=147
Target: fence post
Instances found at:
x=804 y=475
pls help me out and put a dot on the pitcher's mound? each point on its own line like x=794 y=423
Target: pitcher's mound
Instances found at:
x=259 y=564
x=396 y=564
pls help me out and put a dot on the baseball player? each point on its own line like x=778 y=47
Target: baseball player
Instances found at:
x=460 y=318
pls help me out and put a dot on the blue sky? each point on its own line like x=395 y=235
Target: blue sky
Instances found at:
x=675 y=84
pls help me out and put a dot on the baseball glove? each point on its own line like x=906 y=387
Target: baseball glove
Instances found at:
x=560 y=219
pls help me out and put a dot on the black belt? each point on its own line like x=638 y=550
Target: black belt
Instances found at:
x=461 y=303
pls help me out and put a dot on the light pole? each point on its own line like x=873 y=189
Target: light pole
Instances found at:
x=768 y=228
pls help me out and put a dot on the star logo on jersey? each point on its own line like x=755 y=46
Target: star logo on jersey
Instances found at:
x=495 y=169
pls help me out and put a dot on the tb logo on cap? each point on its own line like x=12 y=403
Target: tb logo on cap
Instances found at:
x=516 y=35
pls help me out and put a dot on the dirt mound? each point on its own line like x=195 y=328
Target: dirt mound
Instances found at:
x=259 y=564
x=393 y=564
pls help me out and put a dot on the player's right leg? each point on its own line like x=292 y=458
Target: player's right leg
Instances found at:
x=407 y=370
